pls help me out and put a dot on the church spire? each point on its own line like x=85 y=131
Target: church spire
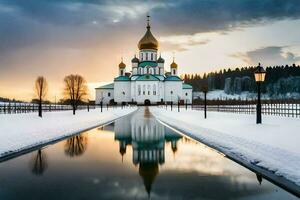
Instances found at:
x=148 y=21
x=148 y=41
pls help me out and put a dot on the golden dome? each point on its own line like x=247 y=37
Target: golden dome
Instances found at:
x=148 y=41
x=173 y=65
x=122 y=65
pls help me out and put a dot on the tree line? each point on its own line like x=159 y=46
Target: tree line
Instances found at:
x=279 y=80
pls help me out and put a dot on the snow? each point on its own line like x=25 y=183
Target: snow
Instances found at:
x=22 y=131
x=273 y=145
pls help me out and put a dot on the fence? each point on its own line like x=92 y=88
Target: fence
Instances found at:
x=15 y=107
x=288 y=108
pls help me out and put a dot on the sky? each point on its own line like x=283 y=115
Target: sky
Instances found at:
x=55 y=38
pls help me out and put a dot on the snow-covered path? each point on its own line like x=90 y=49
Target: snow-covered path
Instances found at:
x=273 y=145
x=22 y=131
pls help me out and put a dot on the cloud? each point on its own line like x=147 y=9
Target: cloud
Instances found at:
x=65 y=22
x=89 y=36
x=182 y=42
x=270 y=56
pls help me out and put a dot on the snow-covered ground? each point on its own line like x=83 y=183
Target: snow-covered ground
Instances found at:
x=273 y=145
x=21 y=131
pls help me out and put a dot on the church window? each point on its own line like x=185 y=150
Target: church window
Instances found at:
x=174 y=71
x=186 y=94
x=148 y=88
x=122 y=72
x=144 y=89
x=154 y=89
x=139 y=90
x=151 y=56
x=146 y=56
x=108 y=94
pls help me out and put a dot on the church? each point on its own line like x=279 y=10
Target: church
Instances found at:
x=147 y=83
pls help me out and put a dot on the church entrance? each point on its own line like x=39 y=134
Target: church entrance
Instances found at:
x=147 y=102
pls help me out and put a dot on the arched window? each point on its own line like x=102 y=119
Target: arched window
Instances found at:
x=174 y=71
x=151 y=56
x=122 y=72
x=139 y=90
x=150 y=71
x=146 y=56
x=144 y=89
x=148 y=89
x=186 y=94
x=108 y=94
x=154 y=89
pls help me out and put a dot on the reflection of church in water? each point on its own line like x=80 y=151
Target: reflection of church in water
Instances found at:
x=147 y=138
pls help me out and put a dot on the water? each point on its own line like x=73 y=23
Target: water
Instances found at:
x=134 y=158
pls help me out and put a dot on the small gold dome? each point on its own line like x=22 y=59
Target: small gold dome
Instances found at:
x=122 y=65
x=148 y=41
x=173 y=65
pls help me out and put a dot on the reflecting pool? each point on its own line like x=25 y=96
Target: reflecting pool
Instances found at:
x=135 y=157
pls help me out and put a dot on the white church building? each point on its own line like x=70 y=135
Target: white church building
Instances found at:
x=147 y=82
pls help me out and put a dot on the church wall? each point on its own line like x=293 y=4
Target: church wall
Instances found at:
x=122 y=91
x=187 y=95
x=105 y=94
x=176 y=87
x=147 y=89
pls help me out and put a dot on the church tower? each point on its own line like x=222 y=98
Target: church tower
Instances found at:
x=148 y=45
x=173 y=68
x=122 y=68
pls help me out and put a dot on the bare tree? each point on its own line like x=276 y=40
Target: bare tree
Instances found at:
x=41 y=88
x=75 y=89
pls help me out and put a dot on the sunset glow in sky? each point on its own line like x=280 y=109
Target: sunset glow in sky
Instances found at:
x=55 y=38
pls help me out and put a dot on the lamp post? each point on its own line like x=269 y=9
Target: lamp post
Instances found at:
x=259 y=75
x=122 y=104
x=171 y=100
x=205 y=90
x=178 y=104
x=186 y=104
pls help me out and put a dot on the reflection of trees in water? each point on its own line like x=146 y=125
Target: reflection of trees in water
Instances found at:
x=38 y=164
x=76 y=146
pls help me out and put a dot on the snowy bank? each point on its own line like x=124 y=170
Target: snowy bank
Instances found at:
x=22 y=131
x=273 y=145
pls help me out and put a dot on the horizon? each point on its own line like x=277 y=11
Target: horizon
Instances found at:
x=90 y=37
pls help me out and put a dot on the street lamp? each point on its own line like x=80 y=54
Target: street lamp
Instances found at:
x=259 y=75
x=204 y=90
x=123 y=99
x=178 y=103
x=171 y=100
